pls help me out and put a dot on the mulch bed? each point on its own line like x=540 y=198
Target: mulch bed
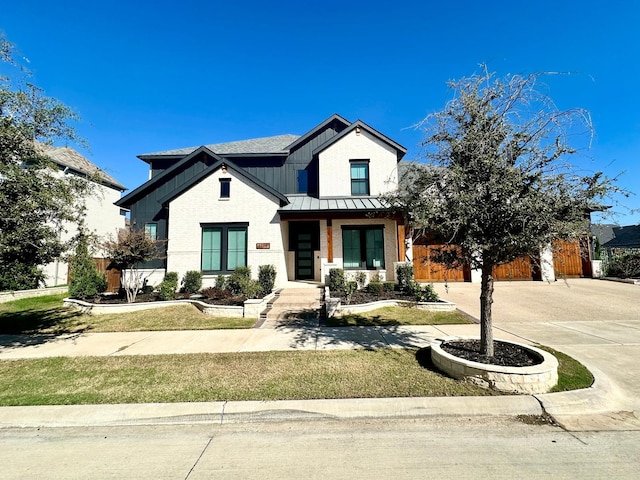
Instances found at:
x=505 y=354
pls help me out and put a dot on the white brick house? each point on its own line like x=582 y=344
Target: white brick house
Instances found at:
x=304 y=204
x=102 y=217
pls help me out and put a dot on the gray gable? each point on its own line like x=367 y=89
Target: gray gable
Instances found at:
x=263 y=145
x=68 y=157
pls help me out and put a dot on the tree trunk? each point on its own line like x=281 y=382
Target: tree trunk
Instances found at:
x=486 y=322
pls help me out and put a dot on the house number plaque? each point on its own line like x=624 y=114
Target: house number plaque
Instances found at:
x=263 y=246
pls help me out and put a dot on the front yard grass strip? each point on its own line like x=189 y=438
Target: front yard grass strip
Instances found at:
x=400 y=315
x=46 y=315
x=572 y=375
x=224 y=376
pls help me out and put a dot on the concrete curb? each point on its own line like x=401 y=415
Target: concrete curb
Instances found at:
x=53 y=416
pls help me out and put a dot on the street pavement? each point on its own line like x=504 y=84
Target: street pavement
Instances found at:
x=595 y=321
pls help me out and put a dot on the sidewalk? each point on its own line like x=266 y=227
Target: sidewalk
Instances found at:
x=609 y=347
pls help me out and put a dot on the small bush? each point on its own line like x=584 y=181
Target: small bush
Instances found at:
x=337 y=281
x=86 y=280
x=375 y=278
x=404 y=273
x=192 y=281
x=171 y=277
x=389 y=286
x=626 y=265
x=266 y=278
x=168 y=286
x=349 y=289
x=375 y=288
x=360 y=278
x=422 y=294
x=241 y=283
x=221 y=282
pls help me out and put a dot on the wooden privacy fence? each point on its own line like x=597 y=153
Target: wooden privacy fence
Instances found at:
x=112 y=274
x=570 y=260
x=426 y=270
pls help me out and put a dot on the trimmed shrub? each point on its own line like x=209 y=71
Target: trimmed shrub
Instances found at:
x=266 y=278
x=221 y=282
x=389 y=286
x=192 y=281
x=375 y=288
x=422 y=294
x=361 y=279
x=241 y=283
x=337 y=281
x=404 y=274
x=86 y=281
x=349 y=289
x=168 y=286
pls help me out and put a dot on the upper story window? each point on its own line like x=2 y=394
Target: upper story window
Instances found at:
x=225 y=187
x=151 y=231
x=359 y=177
x=303 y=181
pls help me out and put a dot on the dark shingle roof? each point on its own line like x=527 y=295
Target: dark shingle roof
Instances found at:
x=612 y=236
x=264 y=145
x=68 y=157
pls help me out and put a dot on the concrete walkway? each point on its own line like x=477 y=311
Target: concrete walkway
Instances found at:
x=594 y=321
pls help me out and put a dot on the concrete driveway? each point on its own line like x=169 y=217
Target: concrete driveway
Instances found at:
x=577 y=299
x=595 y=321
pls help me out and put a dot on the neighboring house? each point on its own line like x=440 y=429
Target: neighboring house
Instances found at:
x=615 y=239
x=103 y=218
x=304 y=204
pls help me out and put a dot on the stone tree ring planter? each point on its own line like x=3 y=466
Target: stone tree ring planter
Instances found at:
x=534 y=379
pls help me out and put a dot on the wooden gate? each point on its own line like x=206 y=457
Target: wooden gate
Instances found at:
x=518 y=269
x=426 y=270
x=568 y=261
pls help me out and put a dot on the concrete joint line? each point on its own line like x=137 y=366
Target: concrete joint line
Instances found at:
x=585 y=333
x=199 y=457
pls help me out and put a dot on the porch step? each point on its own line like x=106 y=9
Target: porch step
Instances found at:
x=293 y=306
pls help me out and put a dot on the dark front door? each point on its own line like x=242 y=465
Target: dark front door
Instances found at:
x=304 y=240
x=304 y=256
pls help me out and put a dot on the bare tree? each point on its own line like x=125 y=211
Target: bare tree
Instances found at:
x=132 y=248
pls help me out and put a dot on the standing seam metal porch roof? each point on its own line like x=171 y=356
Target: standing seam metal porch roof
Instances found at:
x=334 y=204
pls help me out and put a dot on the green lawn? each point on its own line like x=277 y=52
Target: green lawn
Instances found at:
x=400 y=315
x=227 y=376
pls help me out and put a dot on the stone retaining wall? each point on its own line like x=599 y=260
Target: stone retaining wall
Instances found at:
x=36 y=292
x=528 y=380
x=251 y=308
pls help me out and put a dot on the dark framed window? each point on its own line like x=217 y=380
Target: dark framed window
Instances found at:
x=363 y=247
x=151 y=231
x=359 y=177
x=225 y=187
x=224 y=247
x=303 y=181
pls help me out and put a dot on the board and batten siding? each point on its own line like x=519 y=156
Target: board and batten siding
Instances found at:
x=247 y=203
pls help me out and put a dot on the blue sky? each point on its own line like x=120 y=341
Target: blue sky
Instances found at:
x=149 y=76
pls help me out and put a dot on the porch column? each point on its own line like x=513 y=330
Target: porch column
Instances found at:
x=329 y=241
x=401 y=246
